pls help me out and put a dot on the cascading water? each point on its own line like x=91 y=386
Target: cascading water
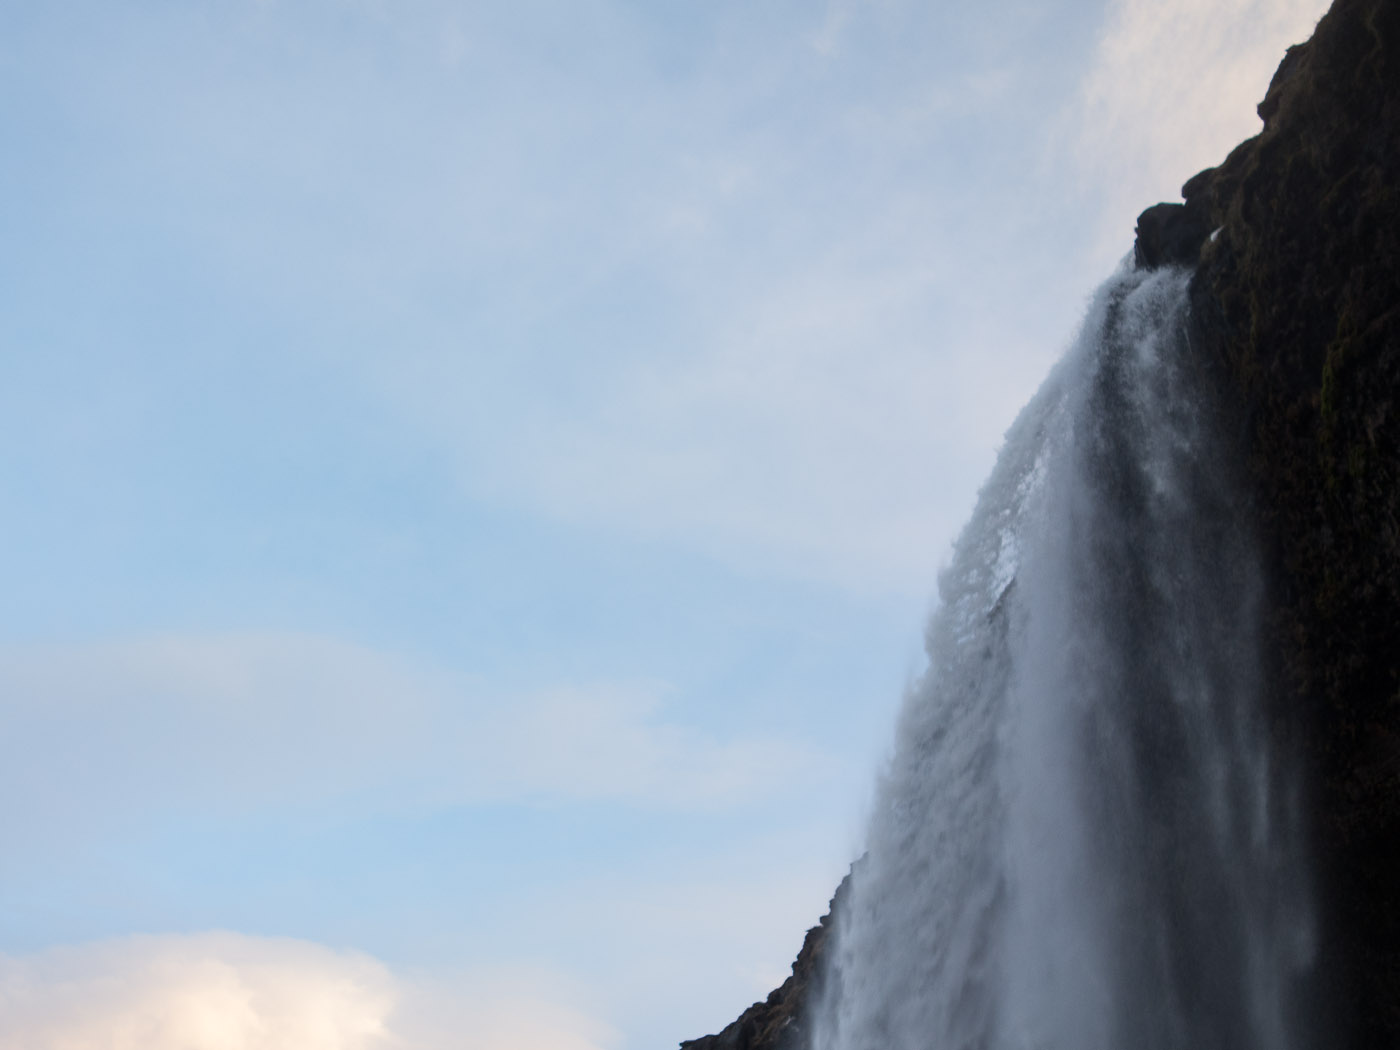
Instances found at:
x=1087 y=838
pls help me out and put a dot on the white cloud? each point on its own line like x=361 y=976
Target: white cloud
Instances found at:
x=1172 y=90
x=225 y=991
x=497 y=1011
x=247 y=720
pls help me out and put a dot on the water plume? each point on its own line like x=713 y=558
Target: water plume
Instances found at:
x=1088 y=837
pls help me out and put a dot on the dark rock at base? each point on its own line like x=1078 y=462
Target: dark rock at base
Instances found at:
x=783 y=1020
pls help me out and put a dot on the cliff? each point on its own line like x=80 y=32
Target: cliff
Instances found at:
x=1296 y=315
x=1296 y=303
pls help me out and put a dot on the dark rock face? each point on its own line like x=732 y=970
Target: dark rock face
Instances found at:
x=783 y=1020
x=1296 y=305
x=1170 y=235
x=1296 y=316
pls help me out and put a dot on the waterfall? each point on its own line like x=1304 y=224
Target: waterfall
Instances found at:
x=1087 y=837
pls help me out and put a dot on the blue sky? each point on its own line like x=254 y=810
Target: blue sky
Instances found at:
x=475 y=475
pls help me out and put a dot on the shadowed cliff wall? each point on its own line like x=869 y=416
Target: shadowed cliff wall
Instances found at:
x=1297 y=302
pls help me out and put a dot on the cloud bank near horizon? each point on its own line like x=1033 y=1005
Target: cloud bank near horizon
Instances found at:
x=227 y=991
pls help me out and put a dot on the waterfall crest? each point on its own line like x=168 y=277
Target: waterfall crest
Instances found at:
x=1086 y=838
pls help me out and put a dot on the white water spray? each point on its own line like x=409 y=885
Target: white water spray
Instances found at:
x=1087 y=839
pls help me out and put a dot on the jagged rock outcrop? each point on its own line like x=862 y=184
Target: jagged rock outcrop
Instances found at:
x=1296 y=313
x=783 y=1020
x=1170 y=235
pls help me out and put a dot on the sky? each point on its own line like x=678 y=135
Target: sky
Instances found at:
x=475 y=476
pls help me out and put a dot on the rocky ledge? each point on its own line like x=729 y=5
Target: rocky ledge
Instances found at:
x=783 y=1020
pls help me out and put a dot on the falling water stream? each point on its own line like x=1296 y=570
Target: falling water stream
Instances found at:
x=1086 y=838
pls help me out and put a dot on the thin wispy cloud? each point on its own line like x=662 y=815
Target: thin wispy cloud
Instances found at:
x=233 y=722
x=717 y=298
